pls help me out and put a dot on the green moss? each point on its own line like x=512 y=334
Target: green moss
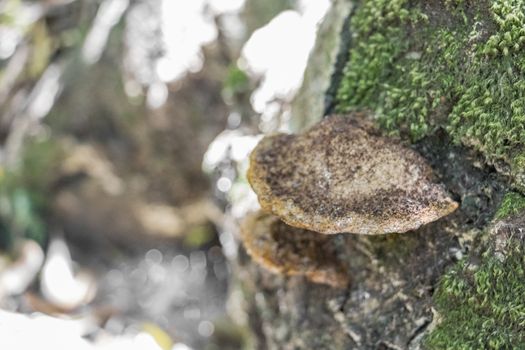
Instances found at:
x=420 y=66
x=456 y=65
x=482 y=306
x=512 y=204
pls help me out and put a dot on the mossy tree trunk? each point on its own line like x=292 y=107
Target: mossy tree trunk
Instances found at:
x=448 y=78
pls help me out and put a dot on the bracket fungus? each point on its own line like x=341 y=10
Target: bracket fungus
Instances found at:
x=342 y=175
x=292 y=251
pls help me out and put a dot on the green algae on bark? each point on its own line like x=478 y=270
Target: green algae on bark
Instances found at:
x=457 y=65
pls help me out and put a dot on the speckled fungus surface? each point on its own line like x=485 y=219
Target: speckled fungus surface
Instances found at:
x=292 y=251
x=341 y=175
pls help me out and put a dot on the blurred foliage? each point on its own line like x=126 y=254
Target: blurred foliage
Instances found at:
x=25 y=188
x=24 y=191
x=161 y=337
x=199 y=236
x=236 y=82
x=41 y=44
x=7 y=16
x=228 y=335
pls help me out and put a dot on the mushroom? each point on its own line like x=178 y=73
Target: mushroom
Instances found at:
x=342 y=175
x=292 y=251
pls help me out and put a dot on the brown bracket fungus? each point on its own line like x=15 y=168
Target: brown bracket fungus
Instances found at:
x=292 y=251
x=341 y=175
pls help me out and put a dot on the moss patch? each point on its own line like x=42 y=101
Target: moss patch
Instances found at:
x=511 y=204
x=457 y=65
x=482 y=305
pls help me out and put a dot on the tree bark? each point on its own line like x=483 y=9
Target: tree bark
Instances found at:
x=448 y=78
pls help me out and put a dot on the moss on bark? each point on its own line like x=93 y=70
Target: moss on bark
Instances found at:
x=480 y=300
x=448 y=75
x=457 y=65
x=478 y=313
x=512 y=204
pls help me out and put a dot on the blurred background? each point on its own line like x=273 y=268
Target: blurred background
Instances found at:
x=124 y=131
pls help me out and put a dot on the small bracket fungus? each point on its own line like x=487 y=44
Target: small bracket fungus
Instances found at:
x=292 y=251
x=343 y=176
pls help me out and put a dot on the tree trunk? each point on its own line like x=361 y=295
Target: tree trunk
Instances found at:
x=448 y=78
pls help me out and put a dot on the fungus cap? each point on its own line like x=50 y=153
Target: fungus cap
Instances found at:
x=342 y=175
x=292 y=251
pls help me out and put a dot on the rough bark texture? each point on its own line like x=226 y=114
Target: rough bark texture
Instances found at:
x=448 y=77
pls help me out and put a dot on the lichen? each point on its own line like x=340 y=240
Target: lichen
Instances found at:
x=457 y=65
x=481 y=305
x=511 y=204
